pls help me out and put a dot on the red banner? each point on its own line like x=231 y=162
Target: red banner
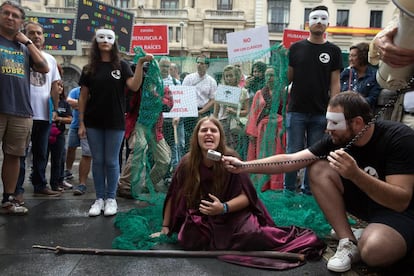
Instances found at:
x=152 y=38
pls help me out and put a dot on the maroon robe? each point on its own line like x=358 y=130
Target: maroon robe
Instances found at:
x=246 y=230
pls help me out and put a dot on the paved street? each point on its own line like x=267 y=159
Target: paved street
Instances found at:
x=64 y=221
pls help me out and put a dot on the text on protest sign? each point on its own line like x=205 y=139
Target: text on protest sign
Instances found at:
x=185 y=102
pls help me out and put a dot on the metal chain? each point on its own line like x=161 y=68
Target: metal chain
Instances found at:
x=390 y=103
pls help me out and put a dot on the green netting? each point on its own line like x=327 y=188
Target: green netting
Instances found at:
x=286 y=208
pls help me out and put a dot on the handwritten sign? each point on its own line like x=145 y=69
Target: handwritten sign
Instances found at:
x=152 y=38
x=93 y=15
x=247 y=45
x=185 y=102
x=58 y=32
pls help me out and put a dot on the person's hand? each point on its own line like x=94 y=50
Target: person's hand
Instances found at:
x=82 y=131
x=211 y=208
x=232 y=164
x=175 y=121
x=392 y=54
x=164 y=231
x=147 y=57
x=343 y=163
x=21 y=37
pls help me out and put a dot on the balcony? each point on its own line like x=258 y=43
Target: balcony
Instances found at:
x=224 y=14
x=164 y=13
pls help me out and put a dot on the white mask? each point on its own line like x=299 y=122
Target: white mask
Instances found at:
x=105 y=35
x=319 y=16
x=336 y=121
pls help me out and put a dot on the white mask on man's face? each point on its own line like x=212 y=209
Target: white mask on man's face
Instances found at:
x=336 y=121
x=319 y=16
x=105 y=35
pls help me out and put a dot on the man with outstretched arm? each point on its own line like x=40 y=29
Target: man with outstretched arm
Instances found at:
x=364 y=167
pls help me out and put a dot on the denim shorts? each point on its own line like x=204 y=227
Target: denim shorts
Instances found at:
x=74 y=141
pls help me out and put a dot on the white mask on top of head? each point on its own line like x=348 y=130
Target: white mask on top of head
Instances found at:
x=105 y=35
x=336 y=121
x=319 y=16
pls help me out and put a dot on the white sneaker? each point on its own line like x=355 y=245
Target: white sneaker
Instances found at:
x=96 y=208
x=110 y=207
x=357 y=233
x=346 y=254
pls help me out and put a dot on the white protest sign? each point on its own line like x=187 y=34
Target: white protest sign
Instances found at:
x=247 y=45
x=185 y=102
x=229 y=95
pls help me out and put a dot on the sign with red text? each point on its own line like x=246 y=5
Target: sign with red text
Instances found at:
x=185 y=102
x=292 y=36
x=152 y=38
x=247 y=45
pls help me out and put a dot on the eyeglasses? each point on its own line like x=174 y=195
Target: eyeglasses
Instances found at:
x=8 y=13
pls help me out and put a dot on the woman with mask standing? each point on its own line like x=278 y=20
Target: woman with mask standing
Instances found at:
x=101 y=114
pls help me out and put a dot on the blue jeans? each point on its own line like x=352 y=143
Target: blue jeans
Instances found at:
x=105 y=145
x=303 y=130
x=40 y=141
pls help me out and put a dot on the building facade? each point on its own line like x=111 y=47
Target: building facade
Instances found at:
x=198 y=26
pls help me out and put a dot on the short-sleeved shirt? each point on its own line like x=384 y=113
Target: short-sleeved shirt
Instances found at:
x=74 y=94
x=312 y=65
x=40 y=87
x=205 y=86
x=14 y=78
x=105 y=108
x=390 y=151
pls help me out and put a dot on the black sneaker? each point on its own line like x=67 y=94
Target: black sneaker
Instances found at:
x=68 y=175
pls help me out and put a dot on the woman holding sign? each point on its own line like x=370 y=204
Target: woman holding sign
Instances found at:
x=233 y=118
x=102 y=114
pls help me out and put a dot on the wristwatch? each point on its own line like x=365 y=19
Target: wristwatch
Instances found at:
x=28 y=42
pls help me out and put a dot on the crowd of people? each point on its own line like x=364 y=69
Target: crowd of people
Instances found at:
x=353 y=163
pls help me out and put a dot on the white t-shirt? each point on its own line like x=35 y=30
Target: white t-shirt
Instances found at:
x=205 y=86
x=40 y=86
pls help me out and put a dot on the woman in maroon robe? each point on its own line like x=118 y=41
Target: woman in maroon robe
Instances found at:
x=212 y=209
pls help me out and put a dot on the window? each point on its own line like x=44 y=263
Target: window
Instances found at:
x=169 y=4
x=178 y=34
x=170 y=34
x=226 y=5
x=342 y=18
x=278 y=14
x=375 y=21
x=219 y=35
x=123 y=4
x=70 y=3
x=306 y=17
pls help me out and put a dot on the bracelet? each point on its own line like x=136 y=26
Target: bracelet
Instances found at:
x=54 y=110
x=225 y=208
x=166 y=226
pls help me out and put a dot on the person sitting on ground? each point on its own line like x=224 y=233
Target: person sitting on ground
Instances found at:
x=212 y=209
x=369 y=172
